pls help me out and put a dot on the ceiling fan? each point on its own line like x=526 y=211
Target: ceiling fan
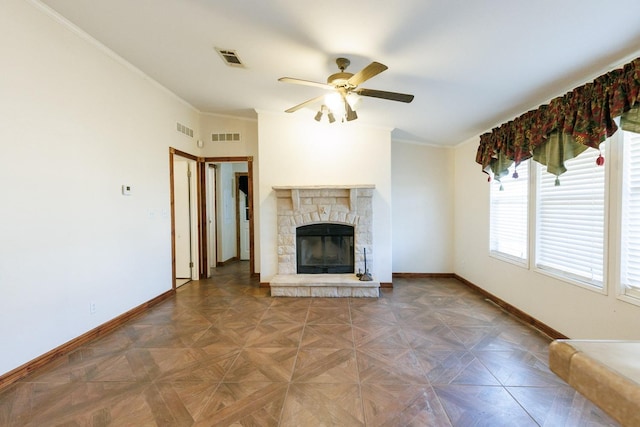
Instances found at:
x=345 y=85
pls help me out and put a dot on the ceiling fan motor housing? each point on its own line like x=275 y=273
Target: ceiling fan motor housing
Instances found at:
x=339 y=79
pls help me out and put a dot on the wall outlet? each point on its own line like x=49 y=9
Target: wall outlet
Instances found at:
x=92 y=308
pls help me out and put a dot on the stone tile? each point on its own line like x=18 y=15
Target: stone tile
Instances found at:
x=323 y=365
x=402 y=405
x=310 y=404
x=223 y=352
x=559 y=406
x=389 y=366
x=488 y=406
x=518 y=368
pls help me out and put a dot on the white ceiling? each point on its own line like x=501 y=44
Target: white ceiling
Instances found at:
x=471 y=64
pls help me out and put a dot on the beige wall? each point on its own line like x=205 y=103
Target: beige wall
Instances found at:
x=422 y=186
x=77 y=124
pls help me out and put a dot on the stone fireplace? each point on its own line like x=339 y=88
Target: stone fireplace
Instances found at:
x=300 y=210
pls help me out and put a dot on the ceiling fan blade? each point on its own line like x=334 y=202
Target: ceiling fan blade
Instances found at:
x=366 y=73
x=393 y=96
x=304 y=104
x=305 y=82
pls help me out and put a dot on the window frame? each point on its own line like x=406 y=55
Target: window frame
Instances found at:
x=503 y=256
x=559 y=274
x=623 y=293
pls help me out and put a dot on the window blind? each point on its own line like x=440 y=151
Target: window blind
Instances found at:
x=630 y=239
x=508 y=218
x=570 y=220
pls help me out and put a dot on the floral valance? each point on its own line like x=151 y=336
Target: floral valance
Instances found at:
x=565 y=127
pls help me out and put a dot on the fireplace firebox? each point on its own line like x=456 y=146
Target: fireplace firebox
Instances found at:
x=324 y=248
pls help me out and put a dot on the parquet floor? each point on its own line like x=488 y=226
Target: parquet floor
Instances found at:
x=429 y=352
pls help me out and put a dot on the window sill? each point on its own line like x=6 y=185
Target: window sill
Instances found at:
x=559 y=275
x=631 y=298
x=524 y=263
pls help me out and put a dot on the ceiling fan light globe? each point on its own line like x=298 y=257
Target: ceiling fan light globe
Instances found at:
x=333 y=100
x=353 y=100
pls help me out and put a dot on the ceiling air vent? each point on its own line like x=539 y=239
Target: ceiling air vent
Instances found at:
x=225 y=137
x=230 y=57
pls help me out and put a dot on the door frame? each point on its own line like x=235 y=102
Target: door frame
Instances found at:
x=202 y=209
x=211 y=220
x=201 y=190
x=172 y=153
x=238 y=213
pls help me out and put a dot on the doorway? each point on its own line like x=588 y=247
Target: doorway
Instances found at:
x=224 y=201
x=184 y=218
x=206 y=196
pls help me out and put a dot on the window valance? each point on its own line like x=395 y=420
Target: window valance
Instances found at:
x=565 y=127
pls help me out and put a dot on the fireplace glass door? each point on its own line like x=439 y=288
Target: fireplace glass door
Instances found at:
x=324 y=248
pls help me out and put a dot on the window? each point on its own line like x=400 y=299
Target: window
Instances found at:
x=509 y=215
x=570 y=220
x=584 y=230
x=630 y=236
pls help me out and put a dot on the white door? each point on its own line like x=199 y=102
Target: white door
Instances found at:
x=182 y=203
x=244 y=226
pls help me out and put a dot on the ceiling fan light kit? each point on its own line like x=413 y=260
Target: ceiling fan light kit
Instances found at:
x=330 y=115
x=344 y=91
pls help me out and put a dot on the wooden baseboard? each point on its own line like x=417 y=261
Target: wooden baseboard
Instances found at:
x=227 y=262
x=265 y=285
x=514 y=311
x=423 y=275
x=66 y=348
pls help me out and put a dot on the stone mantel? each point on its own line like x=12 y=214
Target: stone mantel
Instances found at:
x=322 y=187
x=324 y=190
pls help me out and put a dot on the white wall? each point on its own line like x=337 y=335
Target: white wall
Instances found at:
x=227 y=208
x=422 y=186
x=296 y=150
x=76 y=124
x=212 y=123
x=572 y=310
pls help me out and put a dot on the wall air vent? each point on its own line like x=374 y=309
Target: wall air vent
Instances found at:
x=184 y=129
x=230 y=57
x=226 y=137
